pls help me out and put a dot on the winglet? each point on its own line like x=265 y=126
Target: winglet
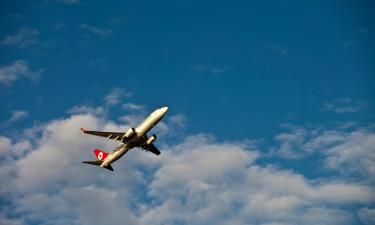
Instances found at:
x=83 y=130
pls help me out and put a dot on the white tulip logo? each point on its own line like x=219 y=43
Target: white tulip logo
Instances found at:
x=100 y=155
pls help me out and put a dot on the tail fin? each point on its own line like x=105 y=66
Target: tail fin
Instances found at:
x=100 y=154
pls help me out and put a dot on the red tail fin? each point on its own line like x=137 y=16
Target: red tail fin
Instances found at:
x=100 y=154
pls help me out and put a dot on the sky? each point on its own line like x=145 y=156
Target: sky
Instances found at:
x=270 y=121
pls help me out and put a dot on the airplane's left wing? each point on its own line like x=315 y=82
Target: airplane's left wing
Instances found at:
x=109 y=135
x=151 y=148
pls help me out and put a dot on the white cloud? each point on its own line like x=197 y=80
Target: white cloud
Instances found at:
x=178 y=120
x=23 y=37
x=219 y=70
x=215 y=70
x=289 y=140
x=344 y=105
x=217 y=183
x=355 y=154
x=10 y=151
x=115 y=96
x=84 y=109
x=16 y=115
x=348 y=152
x=103 y=32
x=132 y=107
x=17 y=70
x=367 y=216
x=196 y=181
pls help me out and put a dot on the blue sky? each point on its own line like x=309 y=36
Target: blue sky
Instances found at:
x=290 y=85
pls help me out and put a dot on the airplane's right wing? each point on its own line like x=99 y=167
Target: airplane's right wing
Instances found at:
x=109 y=135
x=151 y=148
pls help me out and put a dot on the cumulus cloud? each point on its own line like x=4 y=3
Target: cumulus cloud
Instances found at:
x=344 y=105
x=115 y=96
x=17 y=70
x=350 y=152
x=198 y=180
x=22 y=38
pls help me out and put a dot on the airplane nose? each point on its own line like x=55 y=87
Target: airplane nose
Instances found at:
x=164 y=110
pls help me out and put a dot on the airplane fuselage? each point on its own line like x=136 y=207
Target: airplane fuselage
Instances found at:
x=141 y=130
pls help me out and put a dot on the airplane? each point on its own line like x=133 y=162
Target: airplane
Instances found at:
x=133 y=137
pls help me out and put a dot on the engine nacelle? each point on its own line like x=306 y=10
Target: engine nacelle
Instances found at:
x=130 y=133
x=151 y=139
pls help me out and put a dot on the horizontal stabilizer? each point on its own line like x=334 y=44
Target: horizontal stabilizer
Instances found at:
x=98 y=163
x=109 y=167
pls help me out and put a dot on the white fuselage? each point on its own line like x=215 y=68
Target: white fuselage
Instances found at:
x=141 y=130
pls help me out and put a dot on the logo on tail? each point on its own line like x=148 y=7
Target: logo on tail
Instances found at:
x=100 y=154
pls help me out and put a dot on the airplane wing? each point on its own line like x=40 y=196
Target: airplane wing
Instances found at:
x=109 y=135
x=151 y=148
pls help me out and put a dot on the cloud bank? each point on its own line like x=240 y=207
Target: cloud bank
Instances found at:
x=198 y=180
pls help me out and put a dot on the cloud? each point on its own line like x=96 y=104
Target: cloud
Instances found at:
x=24 y=37
x=198 y=180
x=362 y=30
x=200 y=67
x=358 y=34
x=344 y=105
x=103 y=32
x=115 y=96
x=132 y=107
x=220 y=183
x=367 y=215
x=215 y=70
x=349 y=152
x=280 y=49
x=289 y=140
x=16 y=115
x=218 y=70
x=17 y=70
x=84 y=109
x=98 y=64
x=11 y=150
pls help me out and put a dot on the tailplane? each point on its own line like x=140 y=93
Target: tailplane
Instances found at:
x=98 y=163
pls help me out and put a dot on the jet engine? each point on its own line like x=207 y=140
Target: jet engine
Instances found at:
x=130 y=133
x=151 y=139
